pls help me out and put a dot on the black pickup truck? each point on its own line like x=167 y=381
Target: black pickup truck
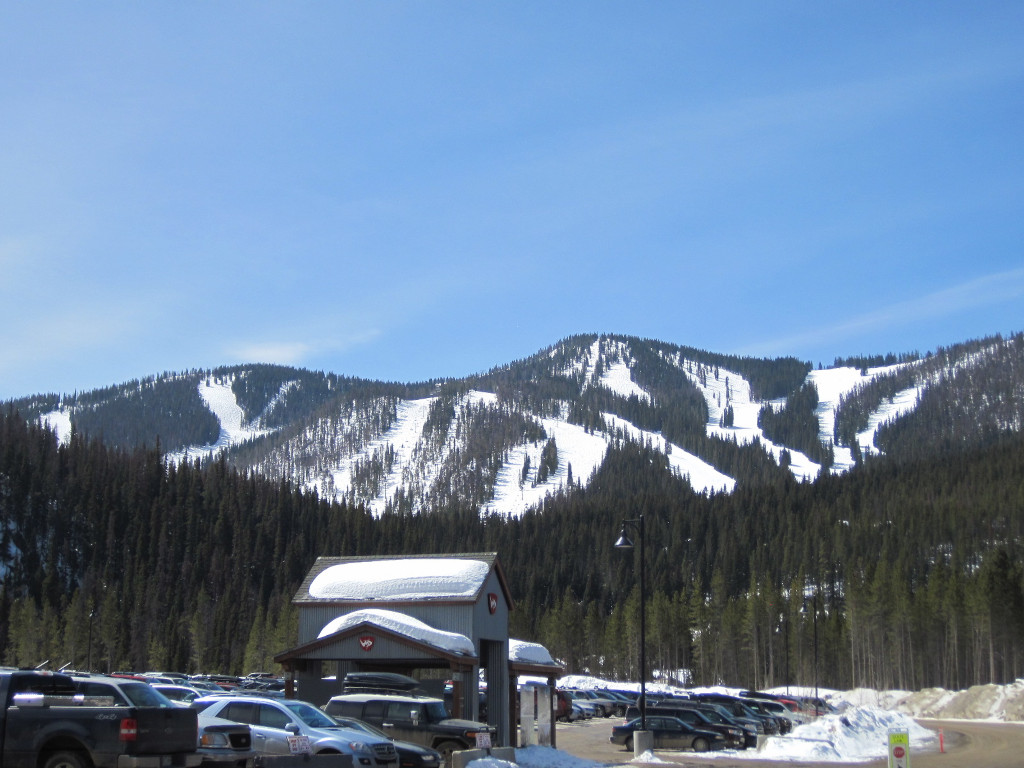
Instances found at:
x=45 y=723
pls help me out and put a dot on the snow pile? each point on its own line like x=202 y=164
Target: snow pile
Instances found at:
x=999 y=703
x=530 y=653
x=539 y=757
x=401 y=624
x=857 y=734
x=588 y=683
x=425 y=578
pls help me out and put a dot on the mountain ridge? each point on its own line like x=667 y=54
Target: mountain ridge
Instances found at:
x=504 y=440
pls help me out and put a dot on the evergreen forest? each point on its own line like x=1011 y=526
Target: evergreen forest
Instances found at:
x=894 y=575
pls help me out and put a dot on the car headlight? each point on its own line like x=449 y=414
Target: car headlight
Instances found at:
x=360 y=747
x=214 y=740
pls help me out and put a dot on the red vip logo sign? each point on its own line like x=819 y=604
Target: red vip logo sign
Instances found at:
x=366 y=642
x=492 y=603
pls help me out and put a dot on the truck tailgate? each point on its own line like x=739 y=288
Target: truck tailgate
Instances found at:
x=163 y=730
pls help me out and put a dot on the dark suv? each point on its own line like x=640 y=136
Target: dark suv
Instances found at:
x=419 y=719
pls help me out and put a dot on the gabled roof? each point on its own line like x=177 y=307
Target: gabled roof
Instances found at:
x=399 y=579
x=405 y=633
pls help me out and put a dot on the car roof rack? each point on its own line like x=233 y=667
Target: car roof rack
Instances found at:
x=380 y=682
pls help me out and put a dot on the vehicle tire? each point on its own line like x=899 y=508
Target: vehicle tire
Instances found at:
x=629 y=744
x=700 y=744
x=67 y=760
x=329 y=752
x=446 y=748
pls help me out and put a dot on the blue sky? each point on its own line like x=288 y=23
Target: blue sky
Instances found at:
x=409 y=190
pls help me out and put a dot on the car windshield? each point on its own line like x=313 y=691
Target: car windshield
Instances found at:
x=721 y=711
x=145 y=695
x=310 y=715
x=436 y=711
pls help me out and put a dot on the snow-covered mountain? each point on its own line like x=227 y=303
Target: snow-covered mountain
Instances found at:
x=505 y=440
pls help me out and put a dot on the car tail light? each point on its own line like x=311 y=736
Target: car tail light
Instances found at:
x=129 y=729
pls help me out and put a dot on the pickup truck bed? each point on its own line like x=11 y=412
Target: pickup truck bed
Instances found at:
x=44 y=724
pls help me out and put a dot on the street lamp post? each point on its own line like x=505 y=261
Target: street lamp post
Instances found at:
x=643 y=740
x=89 y=661
x=814 y=605
x=786 y=628
x=814 y=611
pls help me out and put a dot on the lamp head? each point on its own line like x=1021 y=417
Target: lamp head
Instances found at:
x=623 y=542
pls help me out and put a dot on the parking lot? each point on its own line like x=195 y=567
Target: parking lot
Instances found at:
x=968 y=745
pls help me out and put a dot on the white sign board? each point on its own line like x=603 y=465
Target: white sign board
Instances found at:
x=899 y=749
x=544 y=725
x=527 y=717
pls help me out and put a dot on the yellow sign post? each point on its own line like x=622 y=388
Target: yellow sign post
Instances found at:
x=899 y=749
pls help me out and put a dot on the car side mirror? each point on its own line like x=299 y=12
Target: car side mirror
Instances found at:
x=292 y=728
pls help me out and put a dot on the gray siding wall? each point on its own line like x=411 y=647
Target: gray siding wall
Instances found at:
x=490 y=626
x=450 y=618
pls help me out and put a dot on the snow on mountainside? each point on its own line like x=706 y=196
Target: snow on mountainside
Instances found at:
x=507 y=440
x=835 y=383
x=402 y=439
x=233 y=429
x=724 y=389
x=582 y=452
x=403 y=462
x=59 y=422
x=703 y=477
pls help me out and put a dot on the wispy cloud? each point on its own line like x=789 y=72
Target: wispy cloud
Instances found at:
x=299 y=353
x=988 y=290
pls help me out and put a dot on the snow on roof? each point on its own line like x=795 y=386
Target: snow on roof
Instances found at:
x=528 y=653
x=401 y=624
x=428 y=578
